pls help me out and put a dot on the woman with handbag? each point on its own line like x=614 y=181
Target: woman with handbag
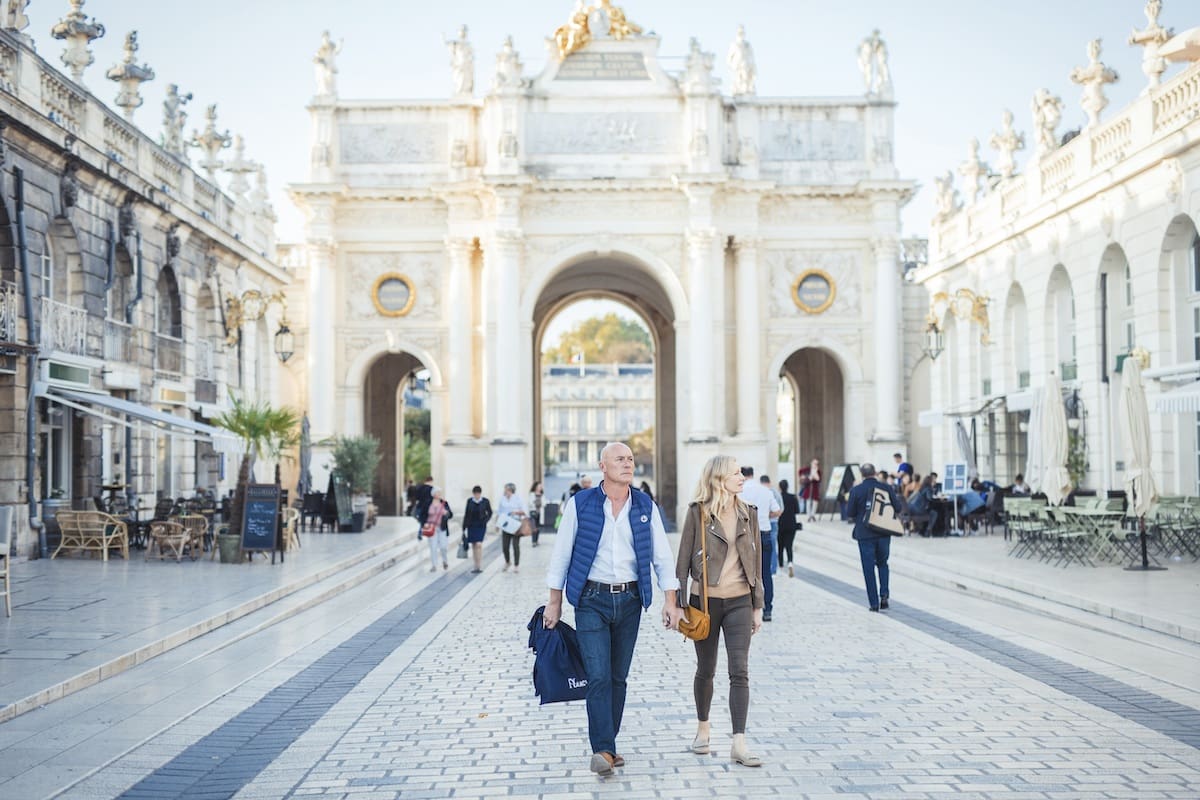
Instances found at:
x=435 y=527
x=719 y=550
x=510 y=517
x=475 y=519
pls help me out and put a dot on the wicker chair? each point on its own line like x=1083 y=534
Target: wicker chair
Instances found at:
x=168 y=535
x=196 y=526
x=92 y=530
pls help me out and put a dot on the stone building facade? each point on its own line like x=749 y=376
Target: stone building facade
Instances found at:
x=587 y=406
x=760 y=233
x=116 y=262
x=1067 y=266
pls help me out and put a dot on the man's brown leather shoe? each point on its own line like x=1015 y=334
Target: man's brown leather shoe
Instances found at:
x=602 y=763
x=618 y=760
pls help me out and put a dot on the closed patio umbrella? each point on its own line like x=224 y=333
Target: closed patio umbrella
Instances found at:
x=305 y=483
x=1135 y=431
x=966 y=451
x=1056 y=481
x=1033 y=441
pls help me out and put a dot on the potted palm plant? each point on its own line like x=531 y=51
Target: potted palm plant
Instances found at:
x=355 y=460
x=262 y=428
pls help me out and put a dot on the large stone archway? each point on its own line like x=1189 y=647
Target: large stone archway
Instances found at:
x=383 y=415
x=820 y=396
x=629 y=282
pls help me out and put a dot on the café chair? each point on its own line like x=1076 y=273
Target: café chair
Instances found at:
x=168 y=536
x=196 y=527
x=6 y=526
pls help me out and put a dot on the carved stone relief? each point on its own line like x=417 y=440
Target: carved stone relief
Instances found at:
x=423 y=269
x=563 y=133
x=392 y=143
x=789 y=211
x=786 y=265
x=399 y=215
x=811 y=140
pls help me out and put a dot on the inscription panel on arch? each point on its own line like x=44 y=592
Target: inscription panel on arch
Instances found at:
x=613 y=133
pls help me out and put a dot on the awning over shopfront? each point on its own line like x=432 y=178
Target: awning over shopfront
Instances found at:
x=99 y=404
x=1180 y=400
x=1019 y=401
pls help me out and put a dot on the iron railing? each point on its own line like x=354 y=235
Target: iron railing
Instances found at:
x=8 y=312
x=64 y=328
x=118 y=341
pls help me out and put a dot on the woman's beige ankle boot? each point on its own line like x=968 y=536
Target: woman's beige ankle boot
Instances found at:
x=741 y=755
x=700 y=743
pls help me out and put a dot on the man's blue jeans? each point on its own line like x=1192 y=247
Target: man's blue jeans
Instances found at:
x=774 y=544
x=874 y=554
x=607 y=627
x=767 y=540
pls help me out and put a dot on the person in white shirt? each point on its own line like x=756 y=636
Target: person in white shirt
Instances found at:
x=763 y=499
x=609 y=542
x=511 y=506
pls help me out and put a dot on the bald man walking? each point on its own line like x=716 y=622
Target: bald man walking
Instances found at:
x=609 y=541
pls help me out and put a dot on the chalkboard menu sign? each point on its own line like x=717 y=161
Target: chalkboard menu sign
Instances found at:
x=341 y=494
x=260 y=516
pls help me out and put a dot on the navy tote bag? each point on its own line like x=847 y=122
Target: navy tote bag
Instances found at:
x=558 y=673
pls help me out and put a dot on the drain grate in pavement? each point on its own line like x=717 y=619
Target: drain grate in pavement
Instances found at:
x=1167 y=717
x=227 y=759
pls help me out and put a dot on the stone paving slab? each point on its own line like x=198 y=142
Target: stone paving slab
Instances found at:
x=79 y=620
x=1161 y=601
x=844 y=704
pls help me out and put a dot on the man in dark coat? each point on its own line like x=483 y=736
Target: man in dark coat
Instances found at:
x=424 y=498
x=873 y=546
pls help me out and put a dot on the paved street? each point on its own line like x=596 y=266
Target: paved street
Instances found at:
x=422 y=690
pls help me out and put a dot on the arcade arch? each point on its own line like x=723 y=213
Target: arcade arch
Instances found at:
x=383 y=404
x=630 y=282
x=818 y=389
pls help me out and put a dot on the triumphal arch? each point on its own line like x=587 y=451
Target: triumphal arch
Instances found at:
x=759 y=237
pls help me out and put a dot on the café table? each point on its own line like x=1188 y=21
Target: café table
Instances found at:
x=138 y=529
x=1097 y=523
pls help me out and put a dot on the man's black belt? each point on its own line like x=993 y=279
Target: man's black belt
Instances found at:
x=612 y=588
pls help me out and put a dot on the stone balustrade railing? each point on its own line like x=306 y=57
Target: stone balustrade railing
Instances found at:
x=8 y=312
x=55 y=97
x=118 y=341
x=1147 y=120
x=64 y=328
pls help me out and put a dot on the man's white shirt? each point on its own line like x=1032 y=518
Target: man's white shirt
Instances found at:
x=759 y=496
x=616 y=561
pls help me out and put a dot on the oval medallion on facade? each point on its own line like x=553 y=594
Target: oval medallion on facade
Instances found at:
x=813 y=291
x=393 y=294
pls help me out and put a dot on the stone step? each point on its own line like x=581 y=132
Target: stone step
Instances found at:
x=255 y=613
x=992 y=584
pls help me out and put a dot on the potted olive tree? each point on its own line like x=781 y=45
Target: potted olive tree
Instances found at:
x=262 y=428
x=355 y=460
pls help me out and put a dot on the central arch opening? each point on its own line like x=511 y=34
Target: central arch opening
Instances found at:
x=607 y=392
x=396 y=413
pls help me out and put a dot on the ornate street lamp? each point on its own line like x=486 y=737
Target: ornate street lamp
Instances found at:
x=252 y=306
x=934 y=342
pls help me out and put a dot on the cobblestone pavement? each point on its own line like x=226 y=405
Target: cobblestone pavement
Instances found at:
x=434 y=700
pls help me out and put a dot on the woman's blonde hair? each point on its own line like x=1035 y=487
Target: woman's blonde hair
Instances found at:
x=711 y=493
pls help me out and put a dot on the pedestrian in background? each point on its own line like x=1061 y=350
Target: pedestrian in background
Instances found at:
x=435 y=527
x=810 y=488
x=537 y=496
x=765 y=480
x=789 y=522
x=511 y=506
x=763 y=500
x=720 y=530
x=608 y=546
x=476 y=513
x=873 y=546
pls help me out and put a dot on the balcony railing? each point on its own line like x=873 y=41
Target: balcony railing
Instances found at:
x=8 y=312
x=118 y=341
x=64 y=328
x=168 y=357
x=206 y=364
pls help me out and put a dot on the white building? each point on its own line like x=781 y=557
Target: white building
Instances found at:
x=587 y=406
x=1067 y=266
x=749 y=231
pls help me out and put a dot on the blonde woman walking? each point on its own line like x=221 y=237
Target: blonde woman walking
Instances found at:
x=723 y=530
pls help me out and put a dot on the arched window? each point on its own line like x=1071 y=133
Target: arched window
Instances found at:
x=169 y=320
x=1061 y=319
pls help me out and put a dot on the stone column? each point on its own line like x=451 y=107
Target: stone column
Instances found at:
x=702 y=337
x=749 y=348
x=889 y=393
x=322 y=358
x=459 y=375
x=506 y=250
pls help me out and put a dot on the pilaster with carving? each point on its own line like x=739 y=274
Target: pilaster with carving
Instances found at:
x=749 y=321
x=886 y=339
x=701 y=242
x=506 y=248
x=460 y=377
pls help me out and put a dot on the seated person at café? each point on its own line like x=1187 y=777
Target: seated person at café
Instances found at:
x=972 y=500
x=1019 y=486
x=921 y=504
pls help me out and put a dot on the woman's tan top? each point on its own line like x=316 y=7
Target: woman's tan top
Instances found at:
x=732 y=582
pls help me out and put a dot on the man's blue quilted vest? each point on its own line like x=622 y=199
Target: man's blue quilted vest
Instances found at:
x=589 y=511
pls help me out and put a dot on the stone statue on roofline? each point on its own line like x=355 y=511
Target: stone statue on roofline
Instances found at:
x=462 y=63
x=741 y=64
x=1007 y=142
x=946 y=199
x=508 y=67
x=1092 y=78
x=174 y=119
x=873 y=64
x=1047 y=113
x=1150 y=39
x=325 y=65
x=974 y=173
x=697 y=76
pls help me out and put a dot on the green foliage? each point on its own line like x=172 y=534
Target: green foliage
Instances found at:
x=604 y=340
x=355 y=459
x=416 y=458
x=1077 y=458
x=416 y=424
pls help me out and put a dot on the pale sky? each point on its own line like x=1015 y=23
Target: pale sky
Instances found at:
x=956 y=64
